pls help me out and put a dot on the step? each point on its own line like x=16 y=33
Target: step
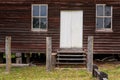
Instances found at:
x=71 y=50
x=71 y=56
x=63 y=55
x=74 y=59
x=70 y=63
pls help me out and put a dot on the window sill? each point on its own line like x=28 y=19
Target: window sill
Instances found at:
x=104 y=30
x=38 y=30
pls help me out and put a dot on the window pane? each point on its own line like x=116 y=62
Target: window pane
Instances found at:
x=35 y=10
x=35 y=22
x=107 y=11
x=107 y=22
x=43 y=23
x=43 y=11
x=99 y=23
x=99 y=10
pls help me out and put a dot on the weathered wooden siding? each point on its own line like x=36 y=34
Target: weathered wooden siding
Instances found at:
x=104 y=42
x=15 y=21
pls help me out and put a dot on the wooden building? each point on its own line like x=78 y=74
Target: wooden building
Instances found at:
x=68 y=22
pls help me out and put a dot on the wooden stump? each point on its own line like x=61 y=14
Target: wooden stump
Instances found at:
x=99 y=74
x=94 y=73
x=18 y=58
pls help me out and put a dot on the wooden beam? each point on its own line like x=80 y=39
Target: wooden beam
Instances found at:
x=90 y=54
x=8 y=53
x=48 y=53
x=15 y=65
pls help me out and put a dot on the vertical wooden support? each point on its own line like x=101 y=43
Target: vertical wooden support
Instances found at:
x=90 y=54
x=54 y=59
x=48 y=53
x=8 y=53
x=27 y=58
x=1 y=57
x=18 y=58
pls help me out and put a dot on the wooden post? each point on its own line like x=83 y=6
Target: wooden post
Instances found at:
x=48 y=53
x=1 y=57
x=18 y=58
x=53 y=60
x=27 y=58
x=90 y=54
x=8 y=53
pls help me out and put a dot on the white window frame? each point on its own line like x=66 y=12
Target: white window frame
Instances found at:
x=39 y=29
x=104 y=29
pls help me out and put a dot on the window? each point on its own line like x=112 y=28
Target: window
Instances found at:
x=103 y=17
x=39 y=17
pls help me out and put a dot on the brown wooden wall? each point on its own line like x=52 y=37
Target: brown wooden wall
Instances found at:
x=15 y=21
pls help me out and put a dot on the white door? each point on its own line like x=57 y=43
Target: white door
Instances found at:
x=71 y=29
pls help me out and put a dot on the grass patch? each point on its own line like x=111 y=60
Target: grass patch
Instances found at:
x=39 y=73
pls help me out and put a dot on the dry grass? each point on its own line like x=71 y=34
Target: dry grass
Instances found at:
x=39 y=73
